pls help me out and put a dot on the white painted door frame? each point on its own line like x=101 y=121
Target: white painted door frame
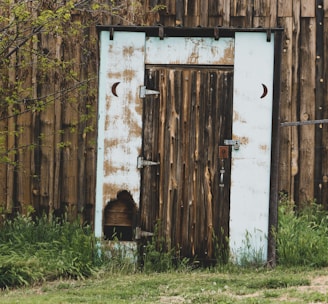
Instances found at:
x=123 y=55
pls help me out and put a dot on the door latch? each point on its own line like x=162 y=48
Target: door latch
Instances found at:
x=141 y=162
x=232 y=142
x=145 y=92
x=222 y=171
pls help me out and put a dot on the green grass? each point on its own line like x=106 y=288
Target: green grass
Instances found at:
x=43 y=249
x=302 y=236
x=46 y=261
x=225 y=285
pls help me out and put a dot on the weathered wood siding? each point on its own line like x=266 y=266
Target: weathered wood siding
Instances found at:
x=183 y=132
x=59 y=171
x=303 y=173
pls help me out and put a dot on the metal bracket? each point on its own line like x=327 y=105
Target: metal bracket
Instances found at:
x=140 y=233
x=268 y=33
x=111 y=34
x=145 y=92
x=232 y=142
x=161 y=32
x=141 y=162
x=216 y=33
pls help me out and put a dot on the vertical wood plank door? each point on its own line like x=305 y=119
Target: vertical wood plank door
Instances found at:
x=187 y=194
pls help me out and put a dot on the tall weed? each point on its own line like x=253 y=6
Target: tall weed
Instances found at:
x=43 y=249
x=302 y=237
x=157 y=257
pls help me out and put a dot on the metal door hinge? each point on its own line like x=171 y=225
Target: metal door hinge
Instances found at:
x=141 y=162
x=140 y=233
x=145 y=92
x=232 y=142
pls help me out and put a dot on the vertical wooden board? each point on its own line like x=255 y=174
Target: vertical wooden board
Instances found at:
x=295 y=100
x=238 y=8
x=70 y=127
x=192 y=8
x=11 y=139
x=46 y=138
x=186 y=129
x=226 y=13
x=215 y=8
x=273 y=13
x=285 y=8
x=120 y=118
x=10 y=146
x=46 y=162
x=149 y=184
x=210 y=161
x=173 y=139
x=24 y=137
x=238 y=21
x=249 y=13
x=24 y=141
x=192 y=13
x=35 y=126
x=162 y=147
x=179 y=16
x=224 y=128
x=91 y=59
x=241 y=13
x=191 y=21
x=319 y=99
x=193 y=159
x=204 y=12
x=308 y=8
x=218 y=13
x=261 y=22
x=325 y=126
x=3 y=166
x=325 y=7
x=170 y=6
x=201 y=223
x=178 y=157
x=286 y=106
x=3 y=135
x=252 y=115
x=307 y=109
x=57 y=129
x=262 y=8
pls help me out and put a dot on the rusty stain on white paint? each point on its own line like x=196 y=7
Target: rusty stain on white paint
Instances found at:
x=195 y=50
x=237 y=116
x=120 y=118
x=250 y=166
x=264 y=147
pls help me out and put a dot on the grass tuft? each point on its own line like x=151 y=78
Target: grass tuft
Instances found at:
x=302 y=237
x=43 y=249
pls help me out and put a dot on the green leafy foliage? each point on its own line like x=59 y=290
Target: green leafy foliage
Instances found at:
x=43 y=249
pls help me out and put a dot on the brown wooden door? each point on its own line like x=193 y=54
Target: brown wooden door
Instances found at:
x=183 y=128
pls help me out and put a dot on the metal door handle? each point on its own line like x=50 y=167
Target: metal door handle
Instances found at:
x=232 y=142
x=222 y=171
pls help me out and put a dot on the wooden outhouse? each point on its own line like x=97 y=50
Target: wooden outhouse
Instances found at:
x=188 y=124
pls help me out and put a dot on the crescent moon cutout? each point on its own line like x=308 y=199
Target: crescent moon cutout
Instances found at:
x=114 y=86
x=265 y=91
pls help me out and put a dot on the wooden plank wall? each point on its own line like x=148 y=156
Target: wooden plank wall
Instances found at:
x=54 y=175
x=303 y=156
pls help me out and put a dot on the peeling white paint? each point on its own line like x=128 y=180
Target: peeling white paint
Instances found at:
x=190 y=50
x=119 y=124
x=123 y=60
x=250 y=171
